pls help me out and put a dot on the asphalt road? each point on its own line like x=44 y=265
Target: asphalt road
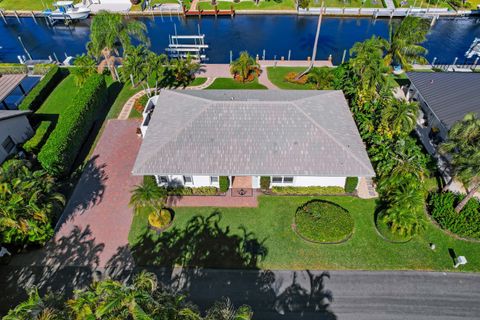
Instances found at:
x=276 y=295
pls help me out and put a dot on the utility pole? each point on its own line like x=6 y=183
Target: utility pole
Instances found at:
x=314 y=54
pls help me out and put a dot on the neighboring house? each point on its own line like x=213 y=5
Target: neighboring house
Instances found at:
x=445 y=98
x=14 y=129
x=298 y=138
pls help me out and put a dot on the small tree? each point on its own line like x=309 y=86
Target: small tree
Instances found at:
x=304 y=4
x=148 y=195
x=265 y=183
x=245 y=68
x=85 y=66
x=463 y=146
x=224 y=183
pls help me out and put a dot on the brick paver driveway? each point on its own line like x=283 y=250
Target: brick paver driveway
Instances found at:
x=93 y=229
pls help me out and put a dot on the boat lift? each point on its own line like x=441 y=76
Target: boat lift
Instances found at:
x=181 y=46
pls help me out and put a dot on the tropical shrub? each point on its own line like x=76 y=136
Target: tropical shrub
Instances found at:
x=245 y=68
x=28 y=201
x=84 y=67
x=307 y=190
x=42 y=68
x=224 y=183
x=265 y=183
x=40 y=92
x=466 y=223
x=59 y=152
x=142 y=297
x=292 y=77
x=304 y=4
x=160 y=219
x=41 y=134
x=141 y=103
x=322 y=78
x=323 y=221
x=351 y=184
x=148 y=196
x=12 y=68
x=200 y=191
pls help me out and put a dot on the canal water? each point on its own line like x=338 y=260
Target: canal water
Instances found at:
x=276 y=34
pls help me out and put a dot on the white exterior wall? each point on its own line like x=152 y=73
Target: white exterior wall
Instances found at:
x=198 y=181
x=18 y=128
x=256 y=182
x=308 y=181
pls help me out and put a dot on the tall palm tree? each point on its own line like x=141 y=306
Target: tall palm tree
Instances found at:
x=405 y=42
x=148 y=196
x=399 y=117
x=182 y=71
x=111 y=32
x=135 y=63
x=85 y=66
x=367 y=64
x=463 y=148
x=244 y=66
x=322 y=78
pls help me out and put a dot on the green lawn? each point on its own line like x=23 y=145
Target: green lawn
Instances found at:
x=198 y=81
x=228 y=83
x=277 y=77
x=122 y=97
x=349 y=3
x=243 y=235
x=420 y=4
x=249 y=5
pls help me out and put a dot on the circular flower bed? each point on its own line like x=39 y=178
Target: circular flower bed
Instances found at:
x=386 y=233
x=160 y=220
x=323 y=222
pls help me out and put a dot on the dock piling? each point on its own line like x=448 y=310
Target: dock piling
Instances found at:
x=231 y=56
x=344 y=55
x=24 y=49
x=34 y=19
x=16 y=15
x=263 y=55
x=289 y=54
x=56 y=58
x=3 y=17
x=433 y=61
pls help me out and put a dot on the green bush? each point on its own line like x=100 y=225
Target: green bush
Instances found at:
x=41 y=134
x=14 y=68
x=59 y=152
x=42 y=68
x=265 y=183
x=40 y=92
x=351 y=184
x=307 y=190
x=224 y=183
x=323 y=221
x=200 y=191
x=466 y=223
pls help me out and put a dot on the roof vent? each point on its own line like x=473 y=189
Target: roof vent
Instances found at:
x=431 y=81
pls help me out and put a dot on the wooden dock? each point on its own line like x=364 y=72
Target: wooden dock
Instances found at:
x=215 y=12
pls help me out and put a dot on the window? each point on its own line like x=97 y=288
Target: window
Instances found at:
x=287 y=179
x=213 y=180
x=162 y=179
x=277 y=179
x=188 y=179
x=8 y=144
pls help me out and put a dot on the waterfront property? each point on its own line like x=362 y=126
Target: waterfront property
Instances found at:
x=301 y=138
x=14 y=129
x=444 y=98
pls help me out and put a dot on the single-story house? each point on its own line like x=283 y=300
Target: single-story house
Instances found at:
x=14 y=129
x=444 y=98
x=298 y=138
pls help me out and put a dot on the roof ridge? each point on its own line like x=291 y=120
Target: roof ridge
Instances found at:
x=182 y=128
x=329 y=134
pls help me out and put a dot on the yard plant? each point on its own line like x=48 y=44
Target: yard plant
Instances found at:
x=224 y=183
x=245 y=68
x=59 y=153
x=322 y=221
x=351 y=184
x=312 y=190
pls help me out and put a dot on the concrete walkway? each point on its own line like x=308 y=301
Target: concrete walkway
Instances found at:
x=226 y=201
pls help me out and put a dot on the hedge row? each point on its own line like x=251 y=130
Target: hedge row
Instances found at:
x=200 y=191
x=13 y=68
x=307 y=190
x=35 y=143
x=351 y=184
x=40 y=92
x=58 y=155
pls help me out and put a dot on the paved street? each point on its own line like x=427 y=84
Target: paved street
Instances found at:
x=274 y=295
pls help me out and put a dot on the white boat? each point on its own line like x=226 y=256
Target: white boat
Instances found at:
x=66 y=10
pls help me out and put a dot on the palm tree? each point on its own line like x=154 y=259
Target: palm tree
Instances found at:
x=85 y=66
x=180 y=72
x=111 y=32
x=244 y=66
x=148 y=196
x=463 y=148
x=135 y=63
x=399 y=117
x=224 y=310
x=34 y=308
x=322 y=78
x=28 y=200
x=368 y=66
x=404 y=47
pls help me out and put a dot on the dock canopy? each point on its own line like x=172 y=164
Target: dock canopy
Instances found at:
x=8 y=83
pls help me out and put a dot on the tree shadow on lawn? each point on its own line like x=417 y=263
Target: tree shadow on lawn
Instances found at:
x=207 y=262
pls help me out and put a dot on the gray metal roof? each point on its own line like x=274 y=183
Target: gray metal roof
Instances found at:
x=450 y=95
x=8 y=83
x=7 y=114
x=252 y=132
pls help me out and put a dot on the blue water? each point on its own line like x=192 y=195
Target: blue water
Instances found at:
x=448 y=39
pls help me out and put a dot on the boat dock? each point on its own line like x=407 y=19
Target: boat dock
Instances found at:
x=181 y=46
x=215 y=12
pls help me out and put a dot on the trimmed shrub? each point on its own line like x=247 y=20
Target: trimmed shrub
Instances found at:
x=200 y=191
x=224 y=183
x=59 y=152
x=322 y=221
x=351 y=184
x=13 y=68
x=265 y=183
x=466 y=223
x=307 y=190
x=42 y=68
x=41 y=134
x=160 y=219
x=40 y=92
